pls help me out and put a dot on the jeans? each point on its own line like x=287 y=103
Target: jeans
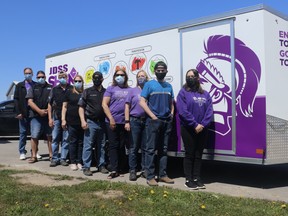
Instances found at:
x=39 y=126
x=137 y=140
x=76 y=134
x=23 y=130
x=158 y=132
x=59 y=135
x=117 y=142
x=95 y=134
x=194 y=146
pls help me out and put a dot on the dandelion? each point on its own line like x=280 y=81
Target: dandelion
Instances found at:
x=203 y=206
x=165 y=195
x=165 y=192
x=46 y=205
x=130 y=198
x=283 y=206
x=152 y=191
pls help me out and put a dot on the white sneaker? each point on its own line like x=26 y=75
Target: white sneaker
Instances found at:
x=22 y=156
x=73 y=167
x=38 y=156
x=79 y=166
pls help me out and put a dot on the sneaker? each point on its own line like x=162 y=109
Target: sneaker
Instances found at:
x=152 y=182
x=79 y=166
x=87 y=172
x=73 y=167
x=38 y=156
x=132 y=176
x=166 y=180
x=53 y=163
x=22 y=156
x=200 y=184
x=63 y=163
x=103 y=170
x=191 y=185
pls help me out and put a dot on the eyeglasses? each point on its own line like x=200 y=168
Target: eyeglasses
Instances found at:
x=120 y=75
x=77 y=81
x=161 y=71
x=39 y=77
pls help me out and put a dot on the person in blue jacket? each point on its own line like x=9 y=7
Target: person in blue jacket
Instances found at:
x=194 y=106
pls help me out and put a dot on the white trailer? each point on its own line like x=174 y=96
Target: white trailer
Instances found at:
x=242 y=57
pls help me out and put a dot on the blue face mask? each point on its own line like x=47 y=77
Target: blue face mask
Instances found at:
x=141 y=81
x=41 y=80
x=63 y=81
x=120 y=80
x=78 y=85
x=28 y=77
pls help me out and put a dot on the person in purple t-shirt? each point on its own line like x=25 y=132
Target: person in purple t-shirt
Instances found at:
x=114 y=105
x=195 y=111
x=135 y=123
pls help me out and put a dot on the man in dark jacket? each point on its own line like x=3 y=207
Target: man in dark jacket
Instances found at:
x=22 y=109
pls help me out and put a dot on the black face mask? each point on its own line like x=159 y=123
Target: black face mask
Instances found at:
x=193 y=83
x=97 y=82
x=160 y=76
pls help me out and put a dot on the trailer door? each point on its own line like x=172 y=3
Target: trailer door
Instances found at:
x=209 y=47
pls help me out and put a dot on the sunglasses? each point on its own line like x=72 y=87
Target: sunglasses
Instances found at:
x=39 y=77
x=120 y=75
x=77 y=81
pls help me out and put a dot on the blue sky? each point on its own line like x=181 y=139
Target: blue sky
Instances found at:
x=32 y=29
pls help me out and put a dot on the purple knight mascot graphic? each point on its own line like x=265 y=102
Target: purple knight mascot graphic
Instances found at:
x=217 y=79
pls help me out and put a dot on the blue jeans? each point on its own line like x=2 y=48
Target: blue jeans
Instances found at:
x=23 y=130
x=59 y=135
x=76 y=134
x=39 y=126
x=158 y=132
x=137 y=140
x=94 y=134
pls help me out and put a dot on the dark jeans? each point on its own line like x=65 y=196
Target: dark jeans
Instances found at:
x=117 y=141
x=75 y=138
x=194 y=146
x=23 y=131
x=158 y=132
x=137 y=140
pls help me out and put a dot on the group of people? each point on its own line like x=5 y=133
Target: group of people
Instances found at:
x=81 y=121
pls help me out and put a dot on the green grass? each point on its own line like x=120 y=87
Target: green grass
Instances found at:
x=20 y=199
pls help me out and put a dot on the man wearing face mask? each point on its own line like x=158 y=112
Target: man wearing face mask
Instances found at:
x=93 y=122
x=22 y=109
x=157 y=101
x=56 y=98
x=38 y=101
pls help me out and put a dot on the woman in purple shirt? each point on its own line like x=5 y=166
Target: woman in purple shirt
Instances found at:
x=114 y=105
x=135 y=123
x=194 y=106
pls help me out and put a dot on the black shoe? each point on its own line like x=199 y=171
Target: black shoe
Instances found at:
x=132 y=176
x=191 y=185
x=143 y=174
x=103 y=170
x=87 y=172
x=200 y=184
x=54 y=163
x=63 y=163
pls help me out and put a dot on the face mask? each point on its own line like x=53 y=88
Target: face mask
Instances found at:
x=120 y=80
x=97 y=82
x=28 y=77
x=160 y=76
x=141 y=81
x=41 y=80
x=63 y=81
x=192 y=83
x=78 y=85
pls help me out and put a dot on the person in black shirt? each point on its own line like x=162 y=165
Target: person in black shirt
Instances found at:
x=71 y=120
x=38 y=101
x=22 y=109
x=56 y=99
x=93 y=122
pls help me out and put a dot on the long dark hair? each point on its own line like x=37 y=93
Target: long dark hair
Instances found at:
x=198 y=87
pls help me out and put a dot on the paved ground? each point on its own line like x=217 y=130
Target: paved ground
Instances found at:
x=242 y=180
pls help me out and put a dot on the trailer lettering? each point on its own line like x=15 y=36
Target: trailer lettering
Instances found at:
x=283 y=34
x=284 y=62
x=283 y=42
x=284 y=53
x=56 y=69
